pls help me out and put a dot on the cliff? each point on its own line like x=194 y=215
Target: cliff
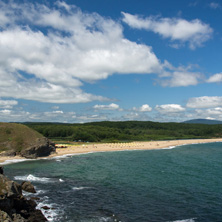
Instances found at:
x=17 y=139
x=14 y=207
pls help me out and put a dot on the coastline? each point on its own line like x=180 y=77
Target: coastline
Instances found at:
x=109 y=147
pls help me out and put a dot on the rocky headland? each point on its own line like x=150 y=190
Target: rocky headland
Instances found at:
x=14 y=207
x=20 y=140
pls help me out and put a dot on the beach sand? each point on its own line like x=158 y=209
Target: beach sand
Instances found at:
x=105 y=147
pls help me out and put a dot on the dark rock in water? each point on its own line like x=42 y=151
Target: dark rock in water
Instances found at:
x=1 y=170
x=28 y=187
x=35 y=198
x=14 y=206
x=42 y=147
x=45 y=208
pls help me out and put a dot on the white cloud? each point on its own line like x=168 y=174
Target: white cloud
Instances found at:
x=143 y=108
x=178 y=76
x=7 y=104
x=5 y=112
x=181 y=79
x=55 y=107
x=195 y=32
x=213 y=113
x=169 y=108
x=58 y=112
x=214 y=5
x=204 y=102
x=33 y=65
x=111 y=106
x=215 y=78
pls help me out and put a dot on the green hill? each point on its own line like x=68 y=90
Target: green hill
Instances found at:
x=126 y=131
x=204 y=121
x=16 y=137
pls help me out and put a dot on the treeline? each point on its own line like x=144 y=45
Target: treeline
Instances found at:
x=125 y=131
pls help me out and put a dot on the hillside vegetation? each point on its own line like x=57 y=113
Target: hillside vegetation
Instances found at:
x=16 y=137
x=204 y=121
x=125 y=131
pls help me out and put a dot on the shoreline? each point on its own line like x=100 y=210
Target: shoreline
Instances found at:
x=109 y=147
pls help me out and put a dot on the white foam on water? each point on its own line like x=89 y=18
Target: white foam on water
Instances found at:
x=169 y=148
x=30 y=177
x=104 y=219
x=61 y=180
x=185 y=220
x=80 y=188
x=6 y=162
x=50 y=213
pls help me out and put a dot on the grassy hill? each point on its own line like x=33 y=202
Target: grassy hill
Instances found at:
x=15 y=136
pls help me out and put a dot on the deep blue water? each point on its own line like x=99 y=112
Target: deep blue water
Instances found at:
x=180 y=184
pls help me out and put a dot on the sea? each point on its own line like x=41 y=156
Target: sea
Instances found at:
x=176 y=184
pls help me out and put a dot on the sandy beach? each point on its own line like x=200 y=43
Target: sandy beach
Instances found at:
x=107 y=147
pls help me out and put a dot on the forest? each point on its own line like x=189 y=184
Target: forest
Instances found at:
x=125 y=131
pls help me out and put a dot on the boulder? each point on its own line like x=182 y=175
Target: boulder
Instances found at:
x=1 y=170
x=28 y=187
x=14 y=206
x=5 y=217
x=40 y=148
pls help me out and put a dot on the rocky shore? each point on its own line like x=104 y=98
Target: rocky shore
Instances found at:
x=14 y=207
x=41 y=147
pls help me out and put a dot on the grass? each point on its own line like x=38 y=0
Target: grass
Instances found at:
x=16 y=137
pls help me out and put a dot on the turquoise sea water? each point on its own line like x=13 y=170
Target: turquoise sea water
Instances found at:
x=180 y=184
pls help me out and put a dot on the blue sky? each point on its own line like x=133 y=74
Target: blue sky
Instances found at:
x=82 y=61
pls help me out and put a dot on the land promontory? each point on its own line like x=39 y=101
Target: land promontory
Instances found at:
x=20 y=140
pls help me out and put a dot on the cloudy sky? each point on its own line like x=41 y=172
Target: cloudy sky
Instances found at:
x=83 y=61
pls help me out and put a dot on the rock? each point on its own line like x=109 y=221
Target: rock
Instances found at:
x=35 y=198
x=15 y=205
x=8 y=153
x=5 y=217
x=18 y=218
x=42 y=147
x=28 y=187
x=45 y=207
x=1 y=170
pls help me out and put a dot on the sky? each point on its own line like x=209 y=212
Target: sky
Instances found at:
x=79 y=61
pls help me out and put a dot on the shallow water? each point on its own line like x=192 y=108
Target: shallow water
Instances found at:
x=181 y=184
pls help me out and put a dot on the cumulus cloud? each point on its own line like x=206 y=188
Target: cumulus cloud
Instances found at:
x=111 y=106
x=169 y=108
x=8 y=104
x=178 y=76
x=215 y=78
x=212 y=113
x=181 y=78
x=57 y=49
x=194 y=32
x=143 y=108
x=204 y=102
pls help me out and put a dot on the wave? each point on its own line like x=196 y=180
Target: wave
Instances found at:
x=6 y=162
x=80 y=188
x=169 y=148
x=186 y=220
x=30 y=177
x=51 y=211
x=38 y=192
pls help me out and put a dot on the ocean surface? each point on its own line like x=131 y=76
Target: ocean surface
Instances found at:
x=182 y=184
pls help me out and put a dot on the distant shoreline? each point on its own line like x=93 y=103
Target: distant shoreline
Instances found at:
x=109 y=147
